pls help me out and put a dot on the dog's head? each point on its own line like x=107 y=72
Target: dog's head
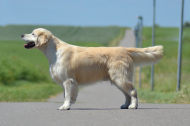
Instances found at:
x=37 y=38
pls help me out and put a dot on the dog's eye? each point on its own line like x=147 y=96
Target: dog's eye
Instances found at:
x=32 y=33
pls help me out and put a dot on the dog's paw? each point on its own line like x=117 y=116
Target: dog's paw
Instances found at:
x=133 y=106
x=63 y=107
x=124 y=107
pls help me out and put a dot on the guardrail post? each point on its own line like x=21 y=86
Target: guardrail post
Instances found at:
x=136 y=32
x=153 y=38
x=140 y=44
x=179 y=49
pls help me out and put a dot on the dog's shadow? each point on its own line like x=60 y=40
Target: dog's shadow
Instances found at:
x=94 y=109
x=110 y=109
x=123 y=109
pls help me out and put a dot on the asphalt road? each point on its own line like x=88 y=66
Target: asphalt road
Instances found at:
x=97 y=105
x=45 y=114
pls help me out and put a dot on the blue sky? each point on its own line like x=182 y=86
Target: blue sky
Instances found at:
x=92 y=12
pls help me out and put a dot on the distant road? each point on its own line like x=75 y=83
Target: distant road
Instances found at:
x=97 y=105
x=128 y=39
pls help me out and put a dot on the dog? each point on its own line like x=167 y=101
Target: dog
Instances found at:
x=71 y=66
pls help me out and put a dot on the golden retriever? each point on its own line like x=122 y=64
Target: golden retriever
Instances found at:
x=71 y=66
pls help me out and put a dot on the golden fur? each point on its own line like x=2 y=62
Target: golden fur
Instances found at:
x=71 y=66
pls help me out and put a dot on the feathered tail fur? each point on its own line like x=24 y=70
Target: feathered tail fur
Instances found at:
x=146 y=56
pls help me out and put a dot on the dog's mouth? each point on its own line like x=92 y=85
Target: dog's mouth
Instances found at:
x=29 y=45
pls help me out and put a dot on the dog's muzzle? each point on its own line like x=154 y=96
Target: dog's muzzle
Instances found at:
x=28 y=45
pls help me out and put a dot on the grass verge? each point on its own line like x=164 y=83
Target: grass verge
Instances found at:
x=165 y=71
x=25 y=91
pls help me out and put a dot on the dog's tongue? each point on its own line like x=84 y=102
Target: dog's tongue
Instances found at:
x=24 y=45
x=29 y=45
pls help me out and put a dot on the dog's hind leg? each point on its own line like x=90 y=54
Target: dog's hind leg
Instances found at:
x=71 y=92
x=121 y=76
x=131 y=100
x=134 y=99
x=127 y=100
x=130 y=93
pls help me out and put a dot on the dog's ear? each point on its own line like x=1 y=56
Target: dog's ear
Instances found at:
x=43 y=38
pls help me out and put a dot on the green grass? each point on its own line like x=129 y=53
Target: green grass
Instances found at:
x=155 y=96
x=26 y=91
x=15 y=68
x=165 y=77
x=24 y=74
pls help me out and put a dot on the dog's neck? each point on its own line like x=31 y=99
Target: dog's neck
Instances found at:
x=50 y=49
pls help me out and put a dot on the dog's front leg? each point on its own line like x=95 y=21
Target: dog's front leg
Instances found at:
x=70 y=91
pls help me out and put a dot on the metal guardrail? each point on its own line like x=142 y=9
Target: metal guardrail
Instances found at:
x=138 y=36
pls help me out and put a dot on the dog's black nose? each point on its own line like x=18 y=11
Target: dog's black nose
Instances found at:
x=22 y=36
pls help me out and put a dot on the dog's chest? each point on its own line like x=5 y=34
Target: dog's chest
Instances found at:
x=58 y=71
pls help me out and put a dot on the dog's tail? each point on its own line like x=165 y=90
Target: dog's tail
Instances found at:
x=146 y=56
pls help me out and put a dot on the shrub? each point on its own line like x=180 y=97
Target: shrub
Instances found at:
x=14 y=68
x=183 y=96
x=186 y=24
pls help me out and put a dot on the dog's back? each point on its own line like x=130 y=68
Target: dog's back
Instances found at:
x=95 y=63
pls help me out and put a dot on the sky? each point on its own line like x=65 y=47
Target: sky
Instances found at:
x=92 y=12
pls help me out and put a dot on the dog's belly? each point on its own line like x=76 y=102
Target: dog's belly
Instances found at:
x=82 y=77
x=86 y=76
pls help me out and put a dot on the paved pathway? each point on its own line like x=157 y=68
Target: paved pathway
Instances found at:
x=45 y=114
x=97 y=105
